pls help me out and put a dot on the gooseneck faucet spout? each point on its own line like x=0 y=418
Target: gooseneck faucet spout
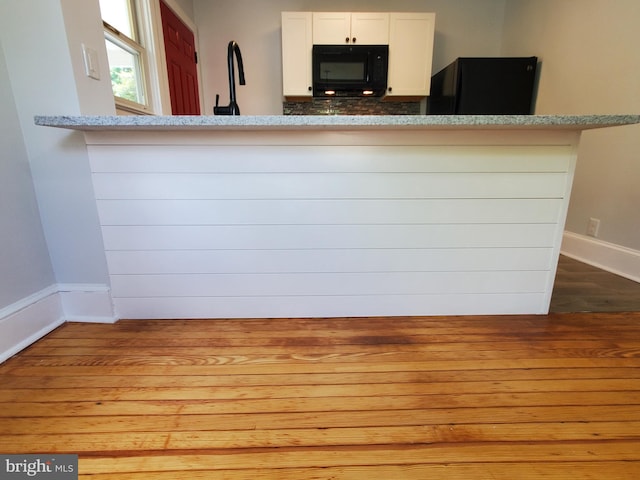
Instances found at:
x=234 y=48
x=232 y=108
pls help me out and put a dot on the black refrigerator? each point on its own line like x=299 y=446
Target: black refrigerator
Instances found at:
x=484 y=86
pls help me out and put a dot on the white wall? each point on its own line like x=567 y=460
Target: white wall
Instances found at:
x=463 y=27
x=590 y=64
x=25 y=267
x=83 y=26
x=45 y=184
x=45 y=77
x=185 y=5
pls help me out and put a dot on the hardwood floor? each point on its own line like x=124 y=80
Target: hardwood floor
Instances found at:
x=582 y=288
x=523 y=397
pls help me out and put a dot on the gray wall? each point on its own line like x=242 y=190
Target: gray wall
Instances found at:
x=590 y=64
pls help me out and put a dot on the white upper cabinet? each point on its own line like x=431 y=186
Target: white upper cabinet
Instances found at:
x=335 y=28
x=410 y=54
x=297 y=43
x=331 y=28
x=409 y=36
x=370 y=28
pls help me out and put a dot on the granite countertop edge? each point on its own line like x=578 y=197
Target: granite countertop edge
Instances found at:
x=302 y=122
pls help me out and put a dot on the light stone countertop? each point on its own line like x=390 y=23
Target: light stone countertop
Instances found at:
x=336 y=122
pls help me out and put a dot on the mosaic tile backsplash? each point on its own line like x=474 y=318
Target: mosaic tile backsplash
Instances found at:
x=350 y=106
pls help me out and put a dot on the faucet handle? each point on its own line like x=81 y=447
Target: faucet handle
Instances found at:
x=224 y=110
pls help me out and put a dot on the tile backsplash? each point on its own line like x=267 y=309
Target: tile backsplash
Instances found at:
x=350 y=106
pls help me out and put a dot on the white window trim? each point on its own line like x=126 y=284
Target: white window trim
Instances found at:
x=134 y=45
x=158 y=82
x=156 y=75
x=126 y=43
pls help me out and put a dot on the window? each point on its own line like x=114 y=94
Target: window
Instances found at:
x=126 y=54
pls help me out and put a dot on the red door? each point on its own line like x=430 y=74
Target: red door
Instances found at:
x=179 y=46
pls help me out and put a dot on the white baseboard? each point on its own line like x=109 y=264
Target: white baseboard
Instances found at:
x=87 y=303
x=607 y=256
x=28 y=320
x=31 y=318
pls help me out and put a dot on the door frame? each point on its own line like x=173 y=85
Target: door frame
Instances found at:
x=157 y=57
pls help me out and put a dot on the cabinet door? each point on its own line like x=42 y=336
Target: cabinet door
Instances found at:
x=370 y=28
x=331 y=28
x=296 y=54
x=410 y=54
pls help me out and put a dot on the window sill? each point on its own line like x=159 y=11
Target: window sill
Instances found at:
x=124 y=107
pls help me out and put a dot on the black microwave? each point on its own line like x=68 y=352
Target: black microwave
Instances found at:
x=350 y=70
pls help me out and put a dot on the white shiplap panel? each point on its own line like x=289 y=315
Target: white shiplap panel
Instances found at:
x=339 y=260
x=342 y=306
x=321 y=158
x=283 y=212
x=327 y=284
x=331 y=230
x=328 y=185
x=327 y=236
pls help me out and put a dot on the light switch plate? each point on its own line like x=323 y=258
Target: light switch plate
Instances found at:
x=91 y=66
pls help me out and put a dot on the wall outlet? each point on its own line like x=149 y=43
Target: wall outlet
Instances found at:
x=594 y=227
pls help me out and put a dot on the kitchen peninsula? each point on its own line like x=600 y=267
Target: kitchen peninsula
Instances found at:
x=316 y=216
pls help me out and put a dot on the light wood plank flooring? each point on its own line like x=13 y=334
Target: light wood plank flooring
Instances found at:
x=524 y=397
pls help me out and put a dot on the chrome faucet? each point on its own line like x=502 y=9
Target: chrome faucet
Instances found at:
x=232 y=108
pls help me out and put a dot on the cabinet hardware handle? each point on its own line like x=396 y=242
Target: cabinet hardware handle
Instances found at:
x=391 y=89
x=309 y=88
x=354 y=39
x=346 y=40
